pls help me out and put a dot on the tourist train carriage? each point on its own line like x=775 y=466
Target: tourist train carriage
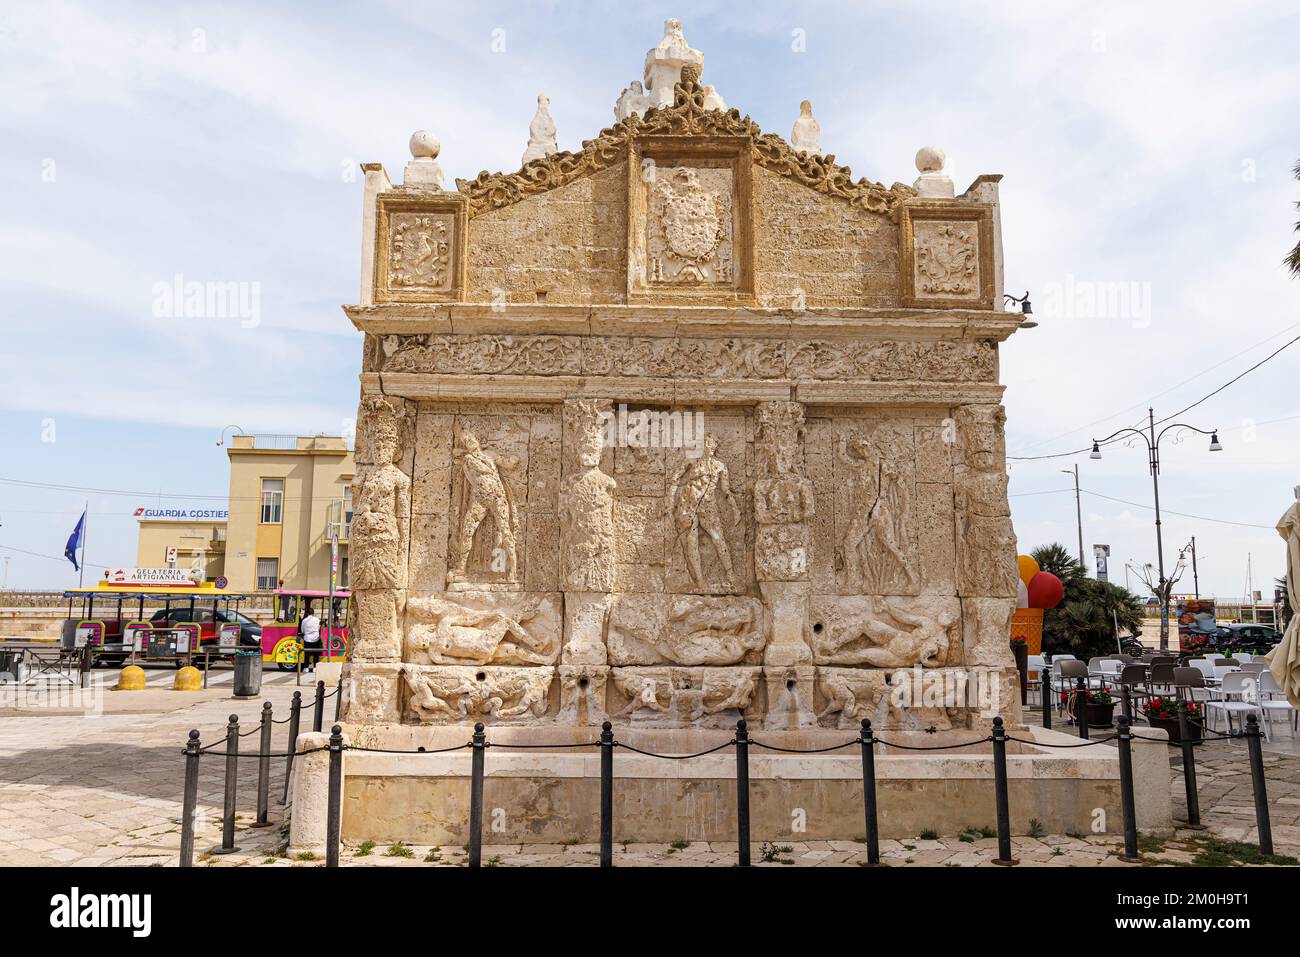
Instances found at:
x=280 y=640
x=111 y=619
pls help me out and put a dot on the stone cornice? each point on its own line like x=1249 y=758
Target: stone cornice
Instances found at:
x=686 y=117
x=532 y=388
x=694 y=321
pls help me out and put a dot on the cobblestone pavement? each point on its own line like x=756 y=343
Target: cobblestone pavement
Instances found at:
x=106 y=791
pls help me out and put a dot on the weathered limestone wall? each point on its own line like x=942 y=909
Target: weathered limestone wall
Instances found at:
x=564 y=246
x=815 y=250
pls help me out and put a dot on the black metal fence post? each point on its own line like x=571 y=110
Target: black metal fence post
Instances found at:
x=1257 y=780
x=1126 y=802
x=869 y=792
x=1189 y=770
x=478 y=744
x=1000 y=794
x=338 y=698
x=742 y=793
x=264 y=768
x=1126 y=702
x=318 y=715
x=190 y=803
x=1081 y=707
x=232 y=776
x=333 y=820
x=295 y=716
x=1047 y=696
x=606 y=795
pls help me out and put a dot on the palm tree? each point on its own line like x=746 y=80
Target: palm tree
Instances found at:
x=1083 y=624
x=1293 y=258
x=1056 y=558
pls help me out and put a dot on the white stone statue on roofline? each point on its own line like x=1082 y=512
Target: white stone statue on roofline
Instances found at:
x=806 y=137
x=663 y=70
x=541 y=132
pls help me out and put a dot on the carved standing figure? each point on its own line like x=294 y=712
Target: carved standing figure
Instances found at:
x=586 y=504
x=986 y=553
x=870 y=552
x=695 y=491
x=380 y=531
x=484 y=493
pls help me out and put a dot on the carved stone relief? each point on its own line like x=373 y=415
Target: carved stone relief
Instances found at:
x=586 y=502
x=689 y=227
x=487 y=494
x=886 y=632
x=703 y=506
x=420 y=251
x=683 y=697
x=656 y=357
x=947 y=260
x=381 y=522
x=875 y=479
x=685 y=630
x=453 y=694
x=483 y=628
x=985 y=540
x=851 y=694
x=582 y=694
x=371 y=694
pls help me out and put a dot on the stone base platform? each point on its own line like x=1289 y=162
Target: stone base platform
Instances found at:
x=553 y=797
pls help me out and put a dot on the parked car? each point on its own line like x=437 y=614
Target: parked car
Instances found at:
x=1257 y=639
x=250 y=632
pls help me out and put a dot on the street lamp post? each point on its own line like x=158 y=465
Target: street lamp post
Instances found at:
x=1153 y=461
x=1078 y=511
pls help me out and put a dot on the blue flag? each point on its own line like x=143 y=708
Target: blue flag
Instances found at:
x=74 y=542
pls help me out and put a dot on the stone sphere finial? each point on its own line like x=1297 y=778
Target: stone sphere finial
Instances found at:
x=424 y=145
x=930 y=159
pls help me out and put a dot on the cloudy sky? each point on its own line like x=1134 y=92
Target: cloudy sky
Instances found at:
x=1148 y=202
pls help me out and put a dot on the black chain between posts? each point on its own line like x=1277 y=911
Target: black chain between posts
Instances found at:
x=866 y=740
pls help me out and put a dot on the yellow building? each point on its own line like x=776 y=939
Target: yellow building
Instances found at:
x=288 y=494
x=191 y=541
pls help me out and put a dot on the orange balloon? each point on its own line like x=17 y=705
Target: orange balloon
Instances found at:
x=1028 y=568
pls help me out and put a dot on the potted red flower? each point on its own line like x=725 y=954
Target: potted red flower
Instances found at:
x=1101 y=709
x=1163 y=712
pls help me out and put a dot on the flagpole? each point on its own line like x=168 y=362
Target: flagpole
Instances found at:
x=85 y=521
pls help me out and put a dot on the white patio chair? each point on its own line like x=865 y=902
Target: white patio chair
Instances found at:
x=1034 y=675
x=1221 y=670
x=1239 y=694
x=1273 y=698
x=1244 y=657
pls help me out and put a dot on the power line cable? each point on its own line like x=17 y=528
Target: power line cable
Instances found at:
x=1147 y=402
x=1208 y=395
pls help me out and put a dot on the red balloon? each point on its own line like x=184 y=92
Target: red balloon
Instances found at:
x=1045 y=591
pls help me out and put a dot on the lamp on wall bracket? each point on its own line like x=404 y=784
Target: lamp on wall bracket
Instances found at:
x=1026 y=308
x=222 y=439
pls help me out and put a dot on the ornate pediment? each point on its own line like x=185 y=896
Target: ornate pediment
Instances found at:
x=687 y=117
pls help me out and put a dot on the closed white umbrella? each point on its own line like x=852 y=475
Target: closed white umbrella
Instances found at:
x=1284 y=660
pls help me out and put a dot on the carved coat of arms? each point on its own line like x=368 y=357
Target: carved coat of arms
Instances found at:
x=692 y=224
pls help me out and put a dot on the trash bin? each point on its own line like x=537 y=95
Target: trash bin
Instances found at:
x=248 y=674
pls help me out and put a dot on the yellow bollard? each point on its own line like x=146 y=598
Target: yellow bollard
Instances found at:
x=188 y=679
x=131 y=678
